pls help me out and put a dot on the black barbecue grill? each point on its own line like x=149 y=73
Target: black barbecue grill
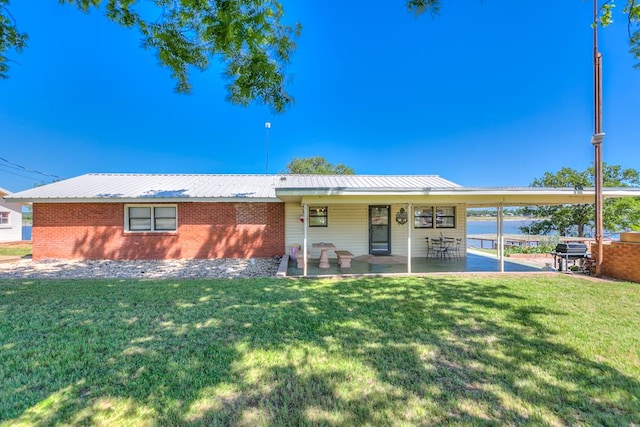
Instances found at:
x=569 y=252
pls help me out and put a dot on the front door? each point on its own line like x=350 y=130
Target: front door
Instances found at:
x=379 y=230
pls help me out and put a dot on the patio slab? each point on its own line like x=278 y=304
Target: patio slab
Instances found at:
x=398 y=265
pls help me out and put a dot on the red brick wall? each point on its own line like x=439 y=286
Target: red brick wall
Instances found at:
x=621 y=260
x=205 y=230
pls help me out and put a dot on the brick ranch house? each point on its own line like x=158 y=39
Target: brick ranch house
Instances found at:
x=158 y=216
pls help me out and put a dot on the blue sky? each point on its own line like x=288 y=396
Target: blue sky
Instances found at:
x=490 y=93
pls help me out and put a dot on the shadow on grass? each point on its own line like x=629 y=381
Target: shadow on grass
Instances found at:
x=276 y=352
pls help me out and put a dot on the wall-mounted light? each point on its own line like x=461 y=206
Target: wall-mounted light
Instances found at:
x=402 y=216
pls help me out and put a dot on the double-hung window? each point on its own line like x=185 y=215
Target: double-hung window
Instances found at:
x=423 y=217
x=4 y=218
x=445 y=217
x=151 y=218
x=318 y=216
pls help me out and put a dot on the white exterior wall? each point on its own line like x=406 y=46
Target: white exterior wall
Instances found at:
x=11 y=232
x=419 y=244
x=348 y=229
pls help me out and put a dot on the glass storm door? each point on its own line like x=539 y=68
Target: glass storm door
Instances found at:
x=379 y=230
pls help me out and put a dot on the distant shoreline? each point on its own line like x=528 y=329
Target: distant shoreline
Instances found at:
x=494 y=218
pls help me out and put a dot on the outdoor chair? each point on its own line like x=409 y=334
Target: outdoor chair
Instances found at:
x=456 y=249
x=429 y=247
x=440 y=247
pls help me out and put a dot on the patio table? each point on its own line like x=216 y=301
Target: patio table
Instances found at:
x=324 y=247
x=441 y=246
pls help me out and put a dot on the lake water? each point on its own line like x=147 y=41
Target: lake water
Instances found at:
x=491 y=226
x=511 y=226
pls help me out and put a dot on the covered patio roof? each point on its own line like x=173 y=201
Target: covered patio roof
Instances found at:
x=471 y=196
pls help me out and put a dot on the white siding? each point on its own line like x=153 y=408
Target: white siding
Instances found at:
x=399 y=233
x=419 y=246
x=11 y=232
x=348 y=229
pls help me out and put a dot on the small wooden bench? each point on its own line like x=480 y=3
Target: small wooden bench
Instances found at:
x=344 y=258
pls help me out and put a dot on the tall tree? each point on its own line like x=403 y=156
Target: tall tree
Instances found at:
x=248 y=35
x=317 y=166
x=631 y=9
x=619 y=214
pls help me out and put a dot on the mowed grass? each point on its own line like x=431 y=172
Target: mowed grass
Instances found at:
x=536 y=350
x=15 y=249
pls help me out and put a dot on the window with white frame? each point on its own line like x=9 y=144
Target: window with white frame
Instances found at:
x=4 y=218
x=151 y=218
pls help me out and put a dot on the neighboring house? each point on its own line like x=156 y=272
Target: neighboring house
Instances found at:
x=137 y=216
x=10 y=219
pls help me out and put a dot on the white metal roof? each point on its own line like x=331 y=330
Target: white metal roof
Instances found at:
x=275 y=188
x=106 y=187
x=363 y=182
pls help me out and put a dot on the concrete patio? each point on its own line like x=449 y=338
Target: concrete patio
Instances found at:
x=395 y=264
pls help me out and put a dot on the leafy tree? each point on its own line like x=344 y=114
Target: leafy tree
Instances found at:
x=247 y=35
x=10 y=37
x=631 y=9
x=618 y=214
x=317 y=166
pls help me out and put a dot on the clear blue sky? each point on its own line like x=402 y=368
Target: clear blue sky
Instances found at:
x=490 y=93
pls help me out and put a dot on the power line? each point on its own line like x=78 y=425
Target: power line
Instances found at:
x=17 y=174
x=11 y=167
x=22 y=168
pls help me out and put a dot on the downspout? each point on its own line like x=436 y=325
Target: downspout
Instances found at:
x=409 y=238
x=305 y=222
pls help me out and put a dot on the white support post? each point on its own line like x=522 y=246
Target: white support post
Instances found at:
x=410 y=215
x=501 y=237
x=305 y=222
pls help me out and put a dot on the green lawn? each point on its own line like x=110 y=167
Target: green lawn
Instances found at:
x=15 y=249
x=537 y=350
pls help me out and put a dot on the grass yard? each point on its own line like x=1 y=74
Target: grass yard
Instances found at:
x=15 y=249
x=539 y=350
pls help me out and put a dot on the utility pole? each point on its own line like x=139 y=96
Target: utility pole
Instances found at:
x=267 y=126
x=597 y=138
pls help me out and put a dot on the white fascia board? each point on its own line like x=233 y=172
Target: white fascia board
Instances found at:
x=355 y=192
x=462 y=191
x=621 y=192
x=448 y=192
